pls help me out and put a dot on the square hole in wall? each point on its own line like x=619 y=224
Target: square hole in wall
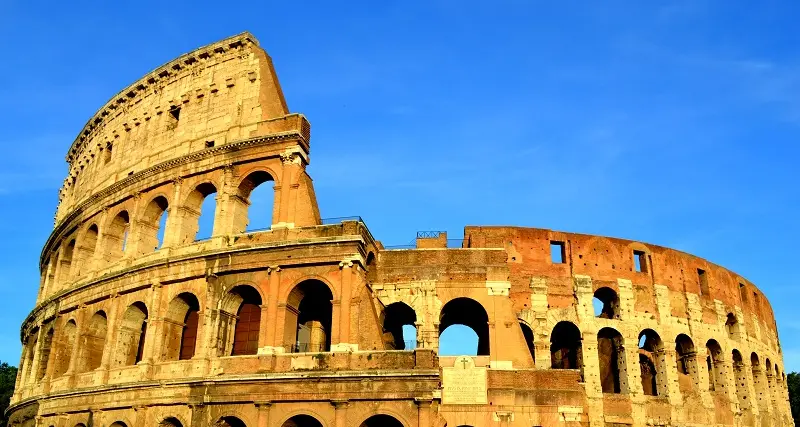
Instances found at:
x=557 y=253
x=209 y=144
x=703 y=280
x=640 y=261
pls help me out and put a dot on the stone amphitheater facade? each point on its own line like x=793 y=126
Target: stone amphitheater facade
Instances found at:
x=301 y=324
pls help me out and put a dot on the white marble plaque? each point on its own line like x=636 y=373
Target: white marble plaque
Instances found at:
x=464 y=384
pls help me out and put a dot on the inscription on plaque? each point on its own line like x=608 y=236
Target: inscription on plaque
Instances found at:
x=464 y=384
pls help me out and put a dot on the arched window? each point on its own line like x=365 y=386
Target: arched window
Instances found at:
x=44 y=354
x=302 y=421
x=230 y=422
x=470 y=314
x=732 y=326
x=180 y=327
x=30 y=354
x=372 y=272
x=758 y=380
x=741 y=380
x=64 y=348
x=170 y=422
x=716 y=366
x=310 y=311
x=116 y=236
x=611 y=355
x=686 y=360
x=132 y=334
x=381 y=421
x=94 y=343
x=606 y=303
x=241 y=325
x=199 y=213
x=566 y=351
x=254 y=207
x=87 y=250
x=153 y=225
x=118 y=424
x=65 y=262
x=527 y=334
x=651 y=363
x=769 y=380
x=399 y=326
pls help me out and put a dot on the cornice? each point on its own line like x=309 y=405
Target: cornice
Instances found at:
x=126 y=95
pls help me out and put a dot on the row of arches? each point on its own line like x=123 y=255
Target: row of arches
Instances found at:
x=567 y=353
x=606 y=305
x=300 y=420
x=161 y=222
x=307 y=317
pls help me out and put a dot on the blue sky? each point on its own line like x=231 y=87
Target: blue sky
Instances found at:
x=674 y=123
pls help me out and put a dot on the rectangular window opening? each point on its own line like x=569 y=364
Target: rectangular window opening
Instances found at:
x=742 y=292
x=107 y=155
x=175 y=113
x=209 y=144
x=701 y=276
x=640 y=261
x=557 y=253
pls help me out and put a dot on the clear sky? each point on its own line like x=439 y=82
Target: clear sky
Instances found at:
x=675 y=124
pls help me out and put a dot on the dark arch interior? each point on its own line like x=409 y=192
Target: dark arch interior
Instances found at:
x=470 y=313
x=310 y=302
x=609 y=303
x=565 y=346
x=610 y=352
x=527 y=334
x=301 y=421
x=381 y=421
x=230 y=422
x=171 y=422
x=649 y=345
x=398 y=315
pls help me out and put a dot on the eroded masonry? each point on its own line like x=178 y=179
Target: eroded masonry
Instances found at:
x=141 y=320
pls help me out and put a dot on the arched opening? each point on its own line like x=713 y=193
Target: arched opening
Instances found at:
x=611 y=356
x=651 y=363
x=117 y=236
x=381 y=421
x=87 y=250
x=153 y=225
x=132 y=334
x=199 y=213
x=758 y=380
x=44 y=354
x=741 y=379
x=309 y=313
x=118 y=424
x=254 y=206
x=716 y=366
x=302 y=421
x=94 y=343
x=686 y=361
x=170 y=422
x=454 y=341
x=566 y=351
x=240 y=321
x=769 y=380
x=399 y=326
x=527 y=334
x=180 y=327
x=606 y=303
x=64 y=348
x=372 y=272
x=65 y=263
x=30 y=354
x=732 y=326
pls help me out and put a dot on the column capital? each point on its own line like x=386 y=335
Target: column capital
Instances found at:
x=340 y=403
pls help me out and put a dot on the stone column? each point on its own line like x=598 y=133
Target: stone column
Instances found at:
x=155 y=326
x=37 y=356
x=175 y=216
x=227 y=196
x=272 y=342
x=423 y=412
x=340 y=413
x=264 y=409
x=342 y=334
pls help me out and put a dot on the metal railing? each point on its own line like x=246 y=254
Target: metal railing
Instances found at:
x=338 y=219
x=429 y=234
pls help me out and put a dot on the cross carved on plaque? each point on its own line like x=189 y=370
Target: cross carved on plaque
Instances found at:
x=464 y=363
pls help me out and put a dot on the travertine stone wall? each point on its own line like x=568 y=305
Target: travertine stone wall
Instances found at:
x=301 y=324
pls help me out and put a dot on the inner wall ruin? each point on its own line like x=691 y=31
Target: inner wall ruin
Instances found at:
x=141 y=320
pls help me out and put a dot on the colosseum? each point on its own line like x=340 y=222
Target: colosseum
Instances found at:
x=309 y=322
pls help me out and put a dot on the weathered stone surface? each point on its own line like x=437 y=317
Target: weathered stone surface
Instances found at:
x=301 y=324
